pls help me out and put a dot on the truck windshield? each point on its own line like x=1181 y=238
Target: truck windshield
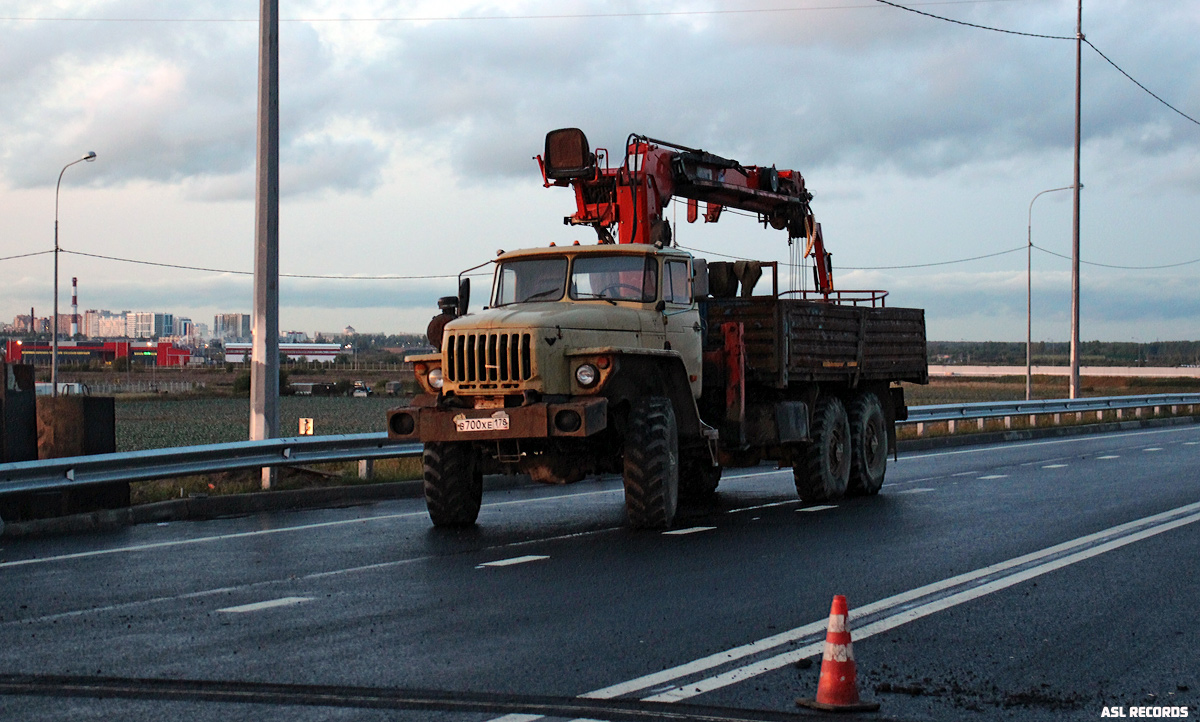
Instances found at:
x=615 y=278
x=534 y=279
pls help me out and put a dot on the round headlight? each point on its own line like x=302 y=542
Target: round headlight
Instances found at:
x=435 y=378
x=586 y=375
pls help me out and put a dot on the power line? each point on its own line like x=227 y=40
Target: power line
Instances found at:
x=1122 y=268
x=973 y=25
x=250 y=273
x=27 y=255
x=1135 y=82
x=548 y=16
x=1047 y=37
x=877 y=268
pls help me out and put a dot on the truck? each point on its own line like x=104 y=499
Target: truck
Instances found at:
x=633 y=356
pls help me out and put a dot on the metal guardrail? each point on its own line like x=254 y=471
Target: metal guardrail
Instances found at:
x=52 y=474
x=999 y=409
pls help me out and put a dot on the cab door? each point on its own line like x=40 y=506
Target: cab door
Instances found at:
x=681 y=318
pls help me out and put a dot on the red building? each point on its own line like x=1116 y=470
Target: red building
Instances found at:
x=149 y=353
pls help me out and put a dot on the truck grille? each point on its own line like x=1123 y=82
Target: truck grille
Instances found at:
x=489 y=360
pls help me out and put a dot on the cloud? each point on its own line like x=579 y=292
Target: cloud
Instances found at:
x=867 y=87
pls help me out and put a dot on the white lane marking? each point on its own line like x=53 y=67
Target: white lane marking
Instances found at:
x=280 y=530
x=1055 y=466
x=1072 y=440
x=922 y=490
x=292 y=580
x=514 y=560
x=819 y=507
x=790 y=636
x=1153 y=448
x=965 y=473
x=764 y=506
x=689 y=530
x=989 y=477
x=518 y=718
x=909 y=615
x=1191 y=443
x=1109 y=456
x=269 y=604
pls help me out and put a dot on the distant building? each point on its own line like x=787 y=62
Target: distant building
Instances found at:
x=231 y=326
x=348 y=331
x=139 y=324
x=294 y=337
x=240 y=352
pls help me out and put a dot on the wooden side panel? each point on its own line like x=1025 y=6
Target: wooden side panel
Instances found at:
x=793 y=341
x=827 y=342
x=764 y=341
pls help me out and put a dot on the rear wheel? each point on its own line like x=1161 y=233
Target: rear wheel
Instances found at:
x=822 y=470
x=651 y=471
x=868 y=445
x=453 y=483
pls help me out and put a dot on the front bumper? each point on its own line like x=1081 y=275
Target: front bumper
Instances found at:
x=575 y=418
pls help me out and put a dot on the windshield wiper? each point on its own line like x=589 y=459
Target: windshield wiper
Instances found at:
x=539 y=294
x=595 y=295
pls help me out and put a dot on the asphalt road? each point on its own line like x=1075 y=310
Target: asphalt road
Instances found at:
x=1041 y=580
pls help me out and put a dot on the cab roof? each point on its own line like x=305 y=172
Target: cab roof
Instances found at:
x=608 y=249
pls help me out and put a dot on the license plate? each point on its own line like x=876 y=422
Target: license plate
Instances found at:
x=496 y=422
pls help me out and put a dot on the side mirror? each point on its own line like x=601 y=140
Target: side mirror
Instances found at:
x=660 y=306
x=464 y=296
x=699 y=278
x=568 y=156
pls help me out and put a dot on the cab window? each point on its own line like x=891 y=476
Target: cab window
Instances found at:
x=614 y=278
x=533 y=279
x=676 y=288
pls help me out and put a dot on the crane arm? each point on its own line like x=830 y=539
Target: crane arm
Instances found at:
x=632 y=195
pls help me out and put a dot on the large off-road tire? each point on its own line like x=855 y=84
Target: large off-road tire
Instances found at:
x=651 y=472
x=868 y=445
x=822 y=470
x=698 y=478
x=453 y=483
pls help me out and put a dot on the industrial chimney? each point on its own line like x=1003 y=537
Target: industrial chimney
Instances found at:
x=74 y=307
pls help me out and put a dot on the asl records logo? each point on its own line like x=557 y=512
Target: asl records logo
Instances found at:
x=1145 y=712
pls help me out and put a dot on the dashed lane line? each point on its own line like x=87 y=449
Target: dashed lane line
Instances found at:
x=513 y=561
x=921 y=490
x=763 y=506
x=1109 y=456
x=819 y=507
x=990 y=477
x=1055 y=466
x=1052 y=442
x=1153 y=448
x=269 y=604
x=689 y=530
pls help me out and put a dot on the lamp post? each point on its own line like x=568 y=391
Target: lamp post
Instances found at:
x=89 y=157
x=1029 y=295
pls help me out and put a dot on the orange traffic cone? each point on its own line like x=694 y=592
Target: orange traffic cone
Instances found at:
x=838 y=689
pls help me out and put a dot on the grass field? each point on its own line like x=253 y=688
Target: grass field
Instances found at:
x=158 y=422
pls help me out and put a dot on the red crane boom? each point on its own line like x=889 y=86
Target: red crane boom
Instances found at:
x=632 y=196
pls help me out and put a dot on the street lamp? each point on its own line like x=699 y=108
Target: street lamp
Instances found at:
x=1029 y=294
x=91 y=156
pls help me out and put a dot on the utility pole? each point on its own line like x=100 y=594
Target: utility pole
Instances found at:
x=264 y=367
x=1075 y=214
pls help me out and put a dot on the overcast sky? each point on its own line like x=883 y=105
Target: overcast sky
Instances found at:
x=408 y=131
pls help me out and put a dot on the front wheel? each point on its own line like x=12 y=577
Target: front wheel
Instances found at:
x=651 y=464
x=823 y=469
x=453 y=483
